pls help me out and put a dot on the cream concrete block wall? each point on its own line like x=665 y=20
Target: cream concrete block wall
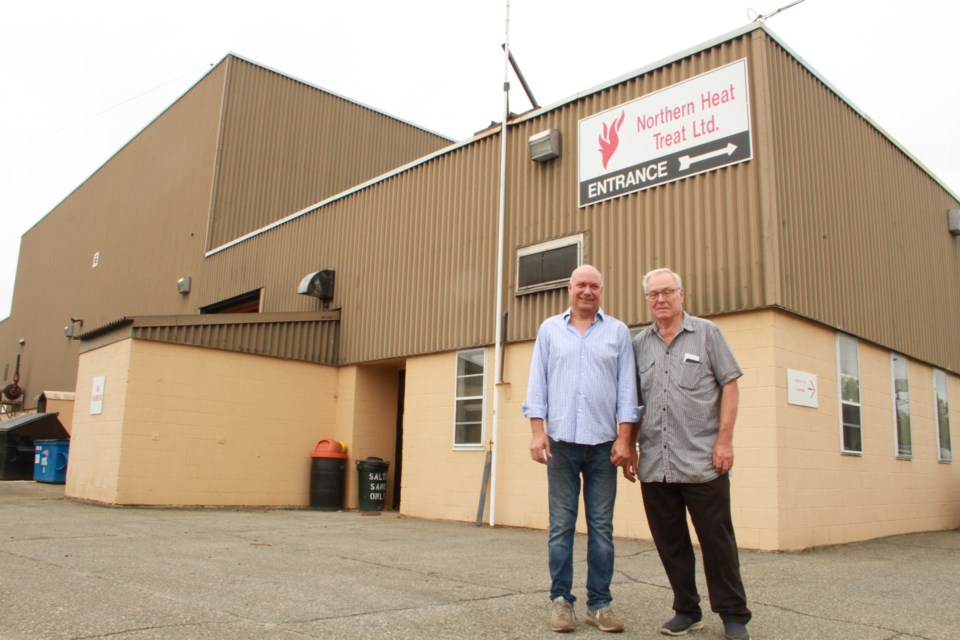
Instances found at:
x=521 y=497
x=96 y=440
x=521 y=484
x=831 y=498
x=343 y=428
x=208 y=427
x=438 y=481
x=756 y=479
x=791 y=487
x=443 y=483
x=810 y=447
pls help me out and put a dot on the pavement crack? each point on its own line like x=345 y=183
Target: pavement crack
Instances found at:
x=896 y=632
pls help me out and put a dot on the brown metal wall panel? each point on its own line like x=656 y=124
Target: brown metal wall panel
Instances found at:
x=415 y=254
x=414 y=257
x=145 y=212
x=829 y=220
x=863 y=234
x=286 y=146
x=706 y=227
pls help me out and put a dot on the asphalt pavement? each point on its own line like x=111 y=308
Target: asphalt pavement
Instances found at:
x=73 y=570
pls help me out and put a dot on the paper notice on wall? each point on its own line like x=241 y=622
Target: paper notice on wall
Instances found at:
x=802 y=389
x=96 y=396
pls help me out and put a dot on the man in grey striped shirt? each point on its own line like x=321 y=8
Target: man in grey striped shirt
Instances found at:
x=688 y=384
x=582 y=384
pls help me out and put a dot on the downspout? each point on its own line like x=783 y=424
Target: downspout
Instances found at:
x=499 y=305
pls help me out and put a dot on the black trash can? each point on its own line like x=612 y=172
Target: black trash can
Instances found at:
x=372 y=484
x=327 y=465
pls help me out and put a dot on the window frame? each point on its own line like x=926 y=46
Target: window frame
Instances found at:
x=855 y=345
x=543 y=247
x=249 y=302
x=902 y=451
x=470 y=446
x=948 y=458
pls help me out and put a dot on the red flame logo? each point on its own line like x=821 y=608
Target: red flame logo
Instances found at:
x=610 y=139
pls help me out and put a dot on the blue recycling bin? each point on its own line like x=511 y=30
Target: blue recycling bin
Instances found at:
x=50 y=460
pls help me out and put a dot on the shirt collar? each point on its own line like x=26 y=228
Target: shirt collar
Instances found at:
x=685 y=325
x=566 y=315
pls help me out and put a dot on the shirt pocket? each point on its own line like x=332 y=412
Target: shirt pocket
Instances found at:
x=691 y=374
x=645 y=371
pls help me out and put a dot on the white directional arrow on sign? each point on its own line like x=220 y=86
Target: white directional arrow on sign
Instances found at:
x=686 y=161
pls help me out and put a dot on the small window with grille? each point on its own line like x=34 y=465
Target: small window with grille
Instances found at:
x=548 y=265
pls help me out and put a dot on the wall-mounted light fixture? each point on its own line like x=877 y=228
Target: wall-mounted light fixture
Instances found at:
x=318 y=284
x=68 y=330
x=545 y=145
x=953 y=221
x=183 y=285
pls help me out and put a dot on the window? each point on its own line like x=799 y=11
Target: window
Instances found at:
x=901 y=405
x=848 y=375
x=944 y=454
x=548 y=265
x=244 y=303
x=470 y=394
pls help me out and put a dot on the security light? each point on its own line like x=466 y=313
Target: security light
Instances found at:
x=545 y=145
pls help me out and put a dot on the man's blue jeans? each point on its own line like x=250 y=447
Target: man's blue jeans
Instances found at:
x=564 y=469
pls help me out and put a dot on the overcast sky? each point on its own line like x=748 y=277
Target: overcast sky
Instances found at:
x=80 y=79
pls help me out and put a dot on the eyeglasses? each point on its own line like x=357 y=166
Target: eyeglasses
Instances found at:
x=666 y=294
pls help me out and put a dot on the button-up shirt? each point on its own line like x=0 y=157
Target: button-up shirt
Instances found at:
x=681 y=387
x=582 y=385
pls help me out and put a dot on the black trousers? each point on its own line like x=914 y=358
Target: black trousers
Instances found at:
x=666 y=505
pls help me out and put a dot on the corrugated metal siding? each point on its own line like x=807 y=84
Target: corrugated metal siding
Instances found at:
x=414 y=257
x=286 y=146
x=145 y=212
x=863 y=234
x=311 y=337
x=706 y=228
x=829 y=220
x=415 y=254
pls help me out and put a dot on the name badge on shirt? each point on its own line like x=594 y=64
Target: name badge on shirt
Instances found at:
x=689 y=357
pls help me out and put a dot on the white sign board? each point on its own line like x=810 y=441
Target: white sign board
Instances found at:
x=802 y=389
x=697 y=125
x=96 y=396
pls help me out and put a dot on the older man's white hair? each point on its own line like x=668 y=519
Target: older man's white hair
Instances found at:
x=657 y=272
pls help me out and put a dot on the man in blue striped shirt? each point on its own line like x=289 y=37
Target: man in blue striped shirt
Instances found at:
x=582 y=386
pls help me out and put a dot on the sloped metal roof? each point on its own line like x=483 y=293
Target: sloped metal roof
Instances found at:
x=305 y=336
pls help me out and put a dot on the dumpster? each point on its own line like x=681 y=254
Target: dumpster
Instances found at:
x=372 y=484
x=327 y=465
x=17 y=436
x=50 y=460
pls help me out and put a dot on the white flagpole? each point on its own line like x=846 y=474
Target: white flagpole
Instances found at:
x=499 y=306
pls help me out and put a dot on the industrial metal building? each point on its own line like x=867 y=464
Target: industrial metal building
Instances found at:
x=268 y=264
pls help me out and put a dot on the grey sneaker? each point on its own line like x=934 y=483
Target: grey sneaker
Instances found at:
x=680 y=625
x=735 y=631
x=604 y=619
x=562 y=616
